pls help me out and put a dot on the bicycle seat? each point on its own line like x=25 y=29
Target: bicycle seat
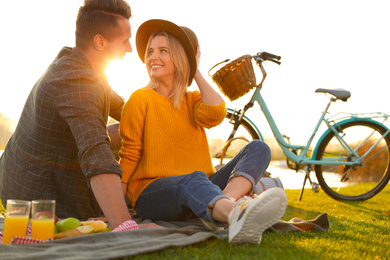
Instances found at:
x=339 y=93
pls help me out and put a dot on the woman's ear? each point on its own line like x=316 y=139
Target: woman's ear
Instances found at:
x=98 y=42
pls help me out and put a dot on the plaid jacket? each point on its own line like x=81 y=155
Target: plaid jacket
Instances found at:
x=61 y=138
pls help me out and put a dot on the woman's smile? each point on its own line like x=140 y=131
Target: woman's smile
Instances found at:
x=159 y=62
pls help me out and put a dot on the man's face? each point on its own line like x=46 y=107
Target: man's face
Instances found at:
x=118 y=47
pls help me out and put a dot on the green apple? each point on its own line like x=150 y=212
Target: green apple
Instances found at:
x=67 y=224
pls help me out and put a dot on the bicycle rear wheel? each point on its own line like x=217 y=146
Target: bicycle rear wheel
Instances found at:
x=219 y=135
x=358 y=182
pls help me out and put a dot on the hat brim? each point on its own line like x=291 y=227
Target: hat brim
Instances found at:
x=152 y=26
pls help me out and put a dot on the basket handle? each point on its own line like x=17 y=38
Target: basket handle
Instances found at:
x=216 y=66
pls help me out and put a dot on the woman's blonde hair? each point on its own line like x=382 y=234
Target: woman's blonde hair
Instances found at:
x=182 y=67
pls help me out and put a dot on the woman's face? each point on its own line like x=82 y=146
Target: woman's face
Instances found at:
x=158 y=61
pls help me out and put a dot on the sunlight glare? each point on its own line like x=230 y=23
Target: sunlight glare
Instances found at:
x=127 y=75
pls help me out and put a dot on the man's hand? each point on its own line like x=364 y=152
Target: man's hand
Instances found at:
x=149 y=225
x=107 y=189
x=104 y=219
x=140 y=226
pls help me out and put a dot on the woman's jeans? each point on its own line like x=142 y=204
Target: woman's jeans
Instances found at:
x=179 y=197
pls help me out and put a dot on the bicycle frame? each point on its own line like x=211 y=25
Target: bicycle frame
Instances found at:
x=350 y=153
x=290 y=150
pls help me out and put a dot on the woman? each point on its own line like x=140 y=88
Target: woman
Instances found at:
x=165 y=158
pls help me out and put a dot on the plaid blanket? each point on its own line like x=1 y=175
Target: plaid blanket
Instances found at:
x=139 y=241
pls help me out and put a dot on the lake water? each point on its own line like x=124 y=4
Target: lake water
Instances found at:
x=290 y=179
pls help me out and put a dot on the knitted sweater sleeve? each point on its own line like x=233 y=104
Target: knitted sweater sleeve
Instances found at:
x=206 y=115
x=132 y=131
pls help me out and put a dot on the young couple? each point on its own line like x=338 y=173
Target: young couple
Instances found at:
x=61 y=150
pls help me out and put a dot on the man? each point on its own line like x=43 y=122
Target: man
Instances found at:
x=60 y=148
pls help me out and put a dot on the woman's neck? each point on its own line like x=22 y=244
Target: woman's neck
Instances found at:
x=165 y=90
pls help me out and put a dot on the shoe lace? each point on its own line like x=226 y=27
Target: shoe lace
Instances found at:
x=244 y=200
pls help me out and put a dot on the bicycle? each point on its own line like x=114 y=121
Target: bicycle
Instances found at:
x=354 y=150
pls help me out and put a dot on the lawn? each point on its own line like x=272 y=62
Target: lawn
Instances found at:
x=359 y=230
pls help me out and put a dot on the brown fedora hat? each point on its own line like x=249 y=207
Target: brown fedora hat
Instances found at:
x=185 y=36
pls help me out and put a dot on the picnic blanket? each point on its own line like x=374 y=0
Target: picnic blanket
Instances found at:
x=134 y=242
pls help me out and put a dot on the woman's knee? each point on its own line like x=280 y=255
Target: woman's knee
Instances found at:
x=198 y=176
x=258 y=146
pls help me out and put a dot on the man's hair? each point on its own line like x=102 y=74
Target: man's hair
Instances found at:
x=182 y=67
x=99 y=17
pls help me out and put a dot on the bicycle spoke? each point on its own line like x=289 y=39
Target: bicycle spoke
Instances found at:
x=370 y=173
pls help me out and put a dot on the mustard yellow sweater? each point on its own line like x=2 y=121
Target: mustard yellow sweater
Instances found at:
x=159 y=141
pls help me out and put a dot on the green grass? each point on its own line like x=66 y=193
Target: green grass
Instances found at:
x=359 y=230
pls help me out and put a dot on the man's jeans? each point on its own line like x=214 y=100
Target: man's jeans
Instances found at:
x=179 y=197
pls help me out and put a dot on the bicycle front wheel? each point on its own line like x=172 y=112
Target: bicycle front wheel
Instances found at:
x=219 y=136
x=358 y=182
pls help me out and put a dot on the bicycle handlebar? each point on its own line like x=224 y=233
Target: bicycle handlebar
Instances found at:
x=260 y=58
x=263 y=56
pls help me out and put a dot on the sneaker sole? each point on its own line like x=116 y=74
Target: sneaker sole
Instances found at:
x=254 y=224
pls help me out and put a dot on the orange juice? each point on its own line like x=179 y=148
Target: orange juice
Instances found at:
x=14 y=226
x=42 y=228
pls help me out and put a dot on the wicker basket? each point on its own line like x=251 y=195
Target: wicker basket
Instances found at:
x=236 y=78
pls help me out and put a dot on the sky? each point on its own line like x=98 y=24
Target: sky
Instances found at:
x=323 y=44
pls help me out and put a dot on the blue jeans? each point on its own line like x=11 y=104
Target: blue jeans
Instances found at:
x=182 y=196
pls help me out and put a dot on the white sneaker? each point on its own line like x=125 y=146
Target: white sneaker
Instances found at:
x=251 y=216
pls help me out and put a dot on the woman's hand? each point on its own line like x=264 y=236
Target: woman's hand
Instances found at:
x=209 y=95
x=197 y=55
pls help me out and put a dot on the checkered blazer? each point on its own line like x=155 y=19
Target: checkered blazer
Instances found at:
x=61 y=138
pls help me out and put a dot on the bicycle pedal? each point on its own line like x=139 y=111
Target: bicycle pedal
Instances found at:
x=218 y=155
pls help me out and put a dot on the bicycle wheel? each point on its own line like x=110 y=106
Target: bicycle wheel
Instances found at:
x=219 y=135
x=358 y=182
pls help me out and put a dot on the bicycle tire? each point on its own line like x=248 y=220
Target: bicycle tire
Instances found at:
x=364 y=181
x=246 y=124
x=245 y=129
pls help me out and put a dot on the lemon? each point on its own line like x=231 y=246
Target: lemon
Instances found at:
x=67 y=224
x=96 y=224
x=86 y=229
